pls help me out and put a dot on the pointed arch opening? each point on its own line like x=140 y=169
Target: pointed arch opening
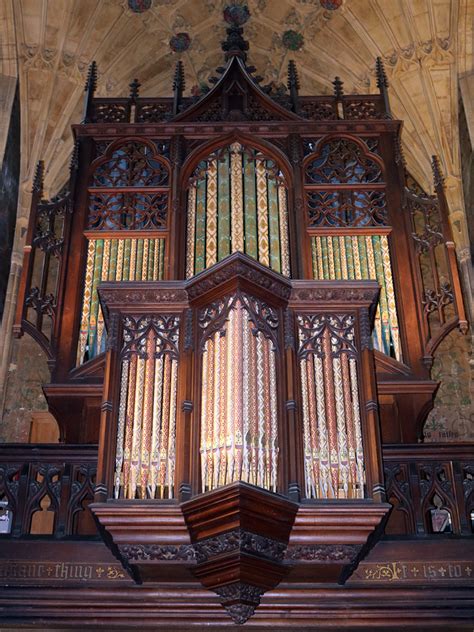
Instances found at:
x=237 y=202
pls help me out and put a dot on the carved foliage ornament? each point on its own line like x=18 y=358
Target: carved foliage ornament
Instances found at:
x=240 y=600
x=150 y=552
x=342 y=294
x=239 y=540
x=165 y=329
x=312 y=328
x=263 y=317
x=143 y=295
x=324 y=552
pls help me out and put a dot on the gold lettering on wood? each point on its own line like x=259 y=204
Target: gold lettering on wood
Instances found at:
x=19 y=570
x=416 y=571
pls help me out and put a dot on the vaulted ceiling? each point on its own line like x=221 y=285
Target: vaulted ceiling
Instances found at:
x=426 y=45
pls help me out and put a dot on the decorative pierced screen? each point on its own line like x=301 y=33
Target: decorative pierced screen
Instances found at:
x=237 y=201
x=113 y=260
x=145 y=457
x=362 y=257
x=129 y=189
x=239 y=419
x=430 y=246
x=341 y=161
x=333 y=454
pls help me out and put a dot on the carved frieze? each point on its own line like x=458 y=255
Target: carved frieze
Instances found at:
x=324 y=552
x=151 y=552
x=239 y=540
x=333 y=295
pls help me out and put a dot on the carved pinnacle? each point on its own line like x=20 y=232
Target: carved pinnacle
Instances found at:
x=399 y=155
x=178 y=79
x=293 y=84
x=338 y=90
x=38 y=178
x=293 y=80
x=134 y=89
x=74 y=164
x=438 y=177
x=382 y=81
x=91 y=81
x=178 y=86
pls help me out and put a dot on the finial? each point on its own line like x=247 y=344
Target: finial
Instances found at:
x=438 y=177
x=235 y=46
x=382 y=84
x=134 y=89
x=91 y=81
x=293 y=85
x=293 y=80
x=38 y=178
x=89 y=89
x=178 y=86
x=382 y=81
x=178 y=78
x=338 y=89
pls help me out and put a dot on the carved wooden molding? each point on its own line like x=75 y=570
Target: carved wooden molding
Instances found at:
x=239 y=540
x=150 y=552
x=323 y=552
x=243 y=266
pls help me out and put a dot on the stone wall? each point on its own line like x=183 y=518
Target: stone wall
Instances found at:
x=9 y=182
x=452 y=418
x=27 y=372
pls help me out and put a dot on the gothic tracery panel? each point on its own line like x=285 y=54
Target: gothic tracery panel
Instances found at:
x=348 y=224
x=341 y=161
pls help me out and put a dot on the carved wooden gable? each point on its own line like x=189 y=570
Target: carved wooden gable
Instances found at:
x=236 y=96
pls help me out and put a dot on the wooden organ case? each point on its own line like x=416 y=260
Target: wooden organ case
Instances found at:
x=240 y=300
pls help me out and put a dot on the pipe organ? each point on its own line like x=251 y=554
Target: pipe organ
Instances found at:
x=240 y=301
